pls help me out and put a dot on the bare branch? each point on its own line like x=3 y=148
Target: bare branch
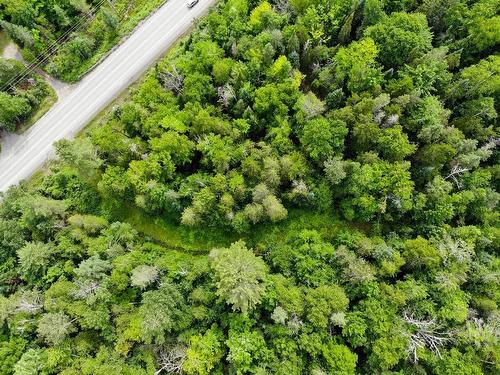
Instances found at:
x=84 y=288
x=171 y=359
x=171 y=80
x=426 y=334
x=456 y=171
x=390 y=121
x=282 y=6
x=226 y=95
x=492 y=144
x=29 y=302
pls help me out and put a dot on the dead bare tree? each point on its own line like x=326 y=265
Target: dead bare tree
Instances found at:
x=295 y=324
x=171 y=80
x=29 y=302
x=300 y=188
x=85 y=288
x=171 y=359
x=226 y=95
x=491 y=144
x=456 y=171
x=455 y=250
x=378 y=117
x=426 y=334
x=390 y=121
x=282 y=6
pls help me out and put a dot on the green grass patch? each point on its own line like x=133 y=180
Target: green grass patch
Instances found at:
x=170 y=234
x=4 y=40
x=201 y=240
x=327 y=224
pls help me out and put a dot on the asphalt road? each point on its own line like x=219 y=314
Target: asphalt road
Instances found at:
x=22 y=155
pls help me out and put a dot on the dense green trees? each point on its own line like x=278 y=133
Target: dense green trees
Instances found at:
x=303 y=187
x=12 y=110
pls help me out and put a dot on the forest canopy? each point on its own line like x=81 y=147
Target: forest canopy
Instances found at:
x=299 y=187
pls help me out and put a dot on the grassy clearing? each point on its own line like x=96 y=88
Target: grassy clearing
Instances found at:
x=4 y=40
x=201 y=240
x=326 y=224
x=170 y=234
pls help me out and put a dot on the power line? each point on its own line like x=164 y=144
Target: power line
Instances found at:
x=54 y=46
x=50 y=49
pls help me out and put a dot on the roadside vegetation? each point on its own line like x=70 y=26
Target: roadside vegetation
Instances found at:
x=23 y=100
x=89 y=30
x=299 y=187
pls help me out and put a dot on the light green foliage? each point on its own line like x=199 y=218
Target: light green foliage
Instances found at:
x=378 y=188
x=280 y=70
x=204 y=353
x=246 y=350
x=400 y=38
x=339 y=359
x=54 y=327
x=429 y=73
x=238 y=276
x=455 y=362
x=10 y=352
x=420 y=253
x=394 y=145
x=373 y=13
x=142 y=276
x=34 y=259
x=479 y=79
x=80 y=155
x=12 y=111
x=322 y=138
x=428 y=119
x=309 y=106
x=8 y=70
x=322 y=302
x=273 y=208
x=356 y=65
x=197 y=87
x=485 y=24
x=89 y=223
x=31 y=362
x=262 y=16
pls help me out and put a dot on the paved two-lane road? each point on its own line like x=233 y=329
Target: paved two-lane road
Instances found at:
x=22 y=155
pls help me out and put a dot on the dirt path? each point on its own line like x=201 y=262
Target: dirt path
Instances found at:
x=62 y=89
